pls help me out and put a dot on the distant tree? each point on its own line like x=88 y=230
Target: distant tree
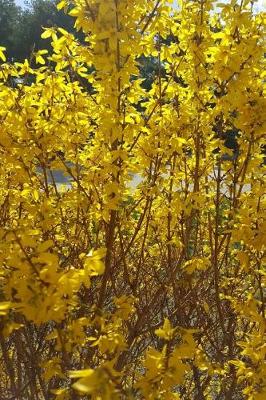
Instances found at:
x=10 y=15
x=38 y=14
x=20 y=29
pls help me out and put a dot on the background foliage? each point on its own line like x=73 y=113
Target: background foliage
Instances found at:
x=21 y=29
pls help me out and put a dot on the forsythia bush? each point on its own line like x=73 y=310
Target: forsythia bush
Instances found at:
x=141 y=276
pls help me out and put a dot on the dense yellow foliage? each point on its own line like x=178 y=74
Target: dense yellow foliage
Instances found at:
x=141 y=277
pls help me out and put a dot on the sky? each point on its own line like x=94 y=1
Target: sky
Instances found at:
x=260 y=4
x=19 y=2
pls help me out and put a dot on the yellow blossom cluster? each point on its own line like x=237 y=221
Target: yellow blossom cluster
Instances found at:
x=132 y=231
